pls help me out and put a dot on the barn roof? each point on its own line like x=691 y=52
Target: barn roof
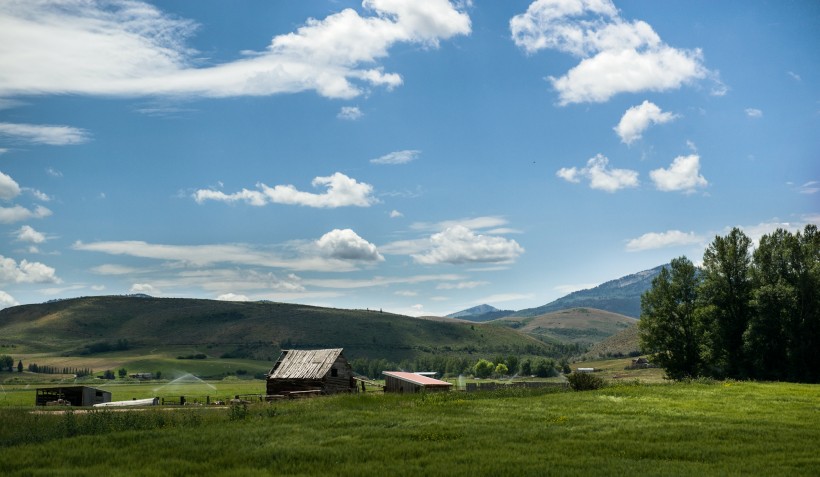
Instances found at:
x=304 y=364
x=416 y=378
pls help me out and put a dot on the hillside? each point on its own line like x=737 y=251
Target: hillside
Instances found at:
x=243 y=329
x=578 y=325
x=622 y=296
x=623 y=343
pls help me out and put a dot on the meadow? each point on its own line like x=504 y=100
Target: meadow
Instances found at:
x=696 y=428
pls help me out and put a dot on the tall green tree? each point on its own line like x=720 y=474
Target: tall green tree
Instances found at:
x=804 y=357
x=725 y=294
x=669 y=329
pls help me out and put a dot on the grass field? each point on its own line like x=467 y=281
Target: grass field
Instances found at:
x=721 y=428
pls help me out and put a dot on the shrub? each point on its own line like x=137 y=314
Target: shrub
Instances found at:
x=585 y=381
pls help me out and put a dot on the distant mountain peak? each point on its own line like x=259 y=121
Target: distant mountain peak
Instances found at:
x=476 y=310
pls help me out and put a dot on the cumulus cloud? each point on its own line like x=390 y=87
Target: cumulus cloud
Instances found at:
x=347 y=245
x=26 y=272
x=120 y=47
x=29 y=235
x=458 y=245
x=754 y=113
x=682 y=175
x=145 y=288
x=395 y=214
x=617 y=56
x=600 y=176
x=350 y=113
x=671 y=238
x=397 y=157
x=9 y=189
x=7 y=300
x=18 y=213
x=638 y=118
x=39 y=134
x=342 y=191
x=232 y=297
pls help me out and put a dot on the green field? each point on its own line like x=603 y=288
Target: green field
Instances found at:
x=700 y=428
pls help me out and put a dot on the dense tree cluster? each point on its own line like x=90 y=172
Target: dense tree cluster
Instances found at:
x=48 y=369
x=451 y=366
x=745 y=314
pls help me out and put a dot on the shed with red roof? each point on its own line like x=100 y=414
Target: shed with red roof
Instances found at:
x=401 y=382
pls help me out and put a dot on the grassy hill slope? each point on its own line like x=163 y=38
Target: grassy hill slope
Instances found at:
x=79 y=325
x=579 y=325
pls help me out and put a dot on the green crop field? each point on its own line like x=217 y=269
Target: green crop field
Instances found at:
x=699 y=428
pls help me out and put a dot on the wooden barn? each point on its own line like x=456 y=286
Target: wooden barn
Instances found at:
x=72 y=395
x=401 y=382
x=324 y=371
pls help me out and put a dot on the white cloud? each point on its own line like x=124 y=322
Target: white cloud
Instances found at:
x=638 y=118
x=569 y=288
x=350 y=113
x=53 y=172
x=342 y=191
x=29 y=235
x=395 y=214
x=754 y=113
x=682 y=175
x=397 y=157
x=794 y=76
x=41 y=196
x=39 y=134
x=9 y=188
x=232 y=297
x=811 y=187
x=132 y=48
x=458 y=244
x=600 y=176
x=655 y=240
x=19 y=213
x=7 y=300
x=617 y=56
x=26 y=272
x=473 y=223
x=461 y=285
x=145 y=288
x=114 y=269
x=347 y=245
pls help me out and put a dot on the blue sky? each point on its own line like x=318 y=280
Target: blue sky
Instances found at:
x=418 y=157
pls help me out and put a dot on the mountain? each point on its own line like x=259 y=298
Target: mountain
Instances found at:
x=481 y=313
x=576 y=325
x=622 y=296
x=253 y=330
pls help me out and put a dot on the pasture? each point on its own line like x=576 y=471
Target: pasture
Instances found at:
x=698 y=428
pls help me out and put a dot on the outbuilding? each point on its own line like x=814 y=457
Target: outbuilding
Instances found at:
x=82 y=396
x=321 y=371
x=402 y=382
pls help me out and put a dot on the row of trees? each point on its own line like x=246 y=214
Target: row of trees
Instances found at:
x=745 y=314
x=454 y=366
x=48 y=369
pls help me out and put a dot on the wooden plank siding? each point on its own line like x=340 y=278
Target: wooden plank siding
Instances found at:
x=326 y=370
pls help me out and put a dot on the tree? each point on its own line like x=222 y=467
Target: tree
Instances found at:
x=20 y=366
x=501 y=369
x=544 y=368
x=669 y=329
x=512 y=363
x=483 y=369
x=122 y=372
x=526 y=367
x=726 y=293
x=6 y=362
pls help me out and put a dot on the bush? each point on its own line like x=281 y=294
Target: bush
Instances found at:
x=585 y=381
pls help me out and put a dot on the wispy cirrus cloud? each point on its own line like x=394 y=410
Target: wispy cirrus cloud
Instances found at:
x=617 y=56
x=44 y=134
x=397 y=157
x=133 y=48
x=342 y=191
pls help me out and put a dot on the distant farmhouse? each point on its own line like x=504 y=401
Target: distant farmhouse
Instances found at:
x=401 y=382
x=321 y=371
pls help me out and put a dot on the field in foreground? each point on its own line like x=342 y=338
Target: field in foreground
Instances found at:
x=670 y=429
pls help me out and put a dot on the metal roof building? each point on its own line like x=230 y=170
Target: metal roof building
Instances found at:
x=74 y=395
x=323 y=370
x=401 y=382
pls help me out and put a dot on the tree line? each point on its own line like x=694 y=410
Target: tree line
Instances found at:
x=746 y=313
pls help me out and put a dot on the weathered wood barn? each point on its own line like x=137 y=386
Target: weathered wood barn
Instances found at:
x=323 y=371
x=401 y=382
x=73 y=395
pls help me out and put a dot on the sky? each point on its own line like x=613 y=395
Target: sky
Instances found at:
x=419 y=157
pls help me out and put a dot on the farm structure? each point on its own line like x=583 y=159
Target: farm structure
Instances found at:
x=72 y=395
x=401 y=382
x=321 y=371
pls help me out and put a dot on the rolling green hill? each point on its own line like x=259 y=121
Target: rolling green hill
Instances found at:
x=578 y=325
x=254 y=330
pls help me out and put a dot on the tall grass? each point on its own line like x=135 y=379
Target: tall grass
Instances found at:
x=699 y=428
